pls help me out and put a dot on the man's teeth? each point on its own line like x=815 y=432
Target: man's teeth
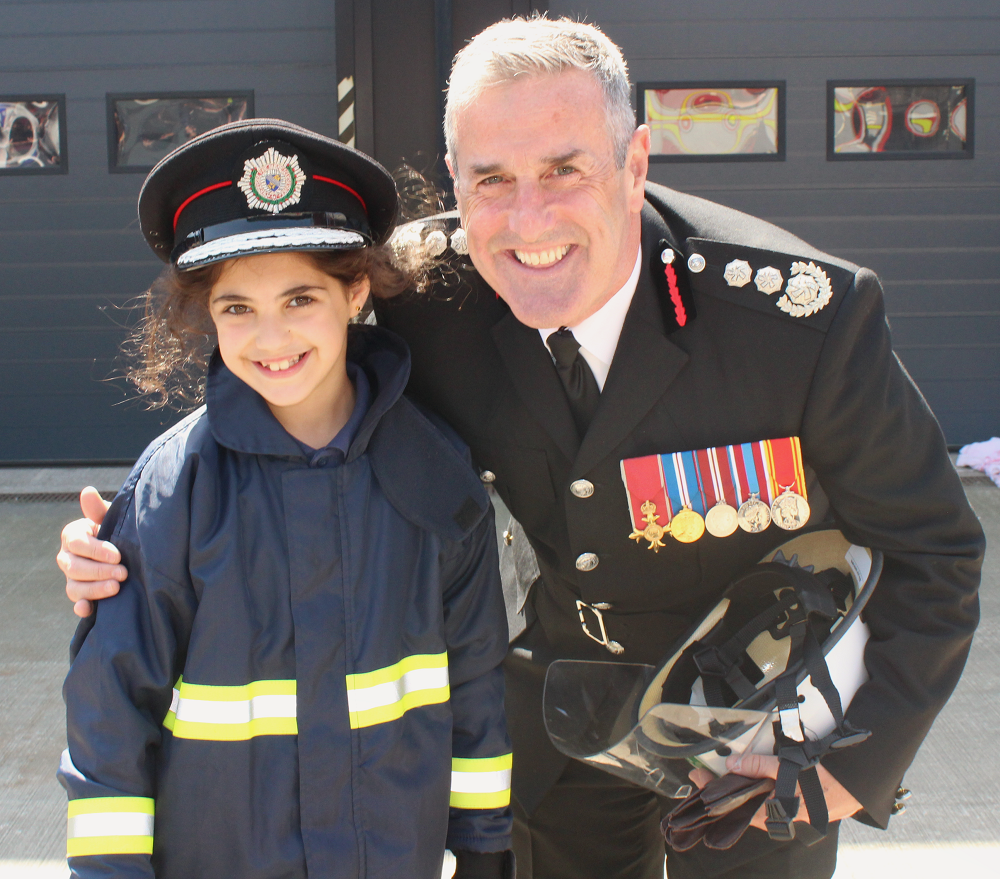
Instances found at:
x=282 y=365
x=543 y=257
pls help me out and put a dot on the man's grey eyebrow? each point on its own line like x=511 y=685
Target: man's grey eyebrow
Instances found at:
x=485 y=170
x=562 y=159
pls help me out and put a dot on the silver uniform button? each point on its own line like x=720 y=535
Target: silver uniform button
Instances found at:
x=581 y=488
x=587 y=561
x=488 y=476
x=696 y=263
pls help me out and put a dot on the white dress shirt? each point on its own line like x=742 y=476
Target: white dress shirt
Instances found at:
x=598 y=334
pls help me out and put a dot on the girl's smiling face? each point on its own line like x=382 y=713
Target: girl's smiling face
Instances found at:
x=282 y=329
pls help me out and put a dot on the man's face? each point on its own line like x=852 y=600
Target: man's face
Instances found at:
x=553 y=224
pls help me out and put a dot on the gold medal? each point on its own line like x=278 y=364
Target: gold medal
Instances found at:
x=687 y=526
x=653 y=532
x=754 y=515
x=790 y=510
x=722 y=520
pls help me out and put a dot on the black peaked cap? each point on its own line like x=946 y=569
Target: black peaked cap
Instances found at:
x=205 y=191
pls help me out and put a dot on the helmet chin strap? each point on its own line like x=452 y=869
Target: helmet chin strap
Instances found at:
x=810 y=597
x=798 y=756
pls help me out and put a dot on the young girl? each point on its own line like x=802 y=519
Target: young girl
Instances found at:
x=301 y=675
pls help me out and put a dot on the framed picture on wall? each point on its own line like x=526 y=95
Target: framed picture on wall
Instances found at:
x=899 y=119
x=33 y=134
x=714 y=121
x=143 y=128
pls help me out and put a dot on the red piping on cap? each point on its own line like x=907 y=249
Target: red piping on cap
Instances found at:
x=342 y=186
x=201 y=192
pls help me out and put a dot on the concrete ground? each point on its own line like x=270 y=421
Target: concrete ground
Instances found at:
x=950 y=827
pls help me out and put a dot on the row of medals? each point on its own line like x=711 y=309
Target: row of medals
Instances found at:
x=789 y=511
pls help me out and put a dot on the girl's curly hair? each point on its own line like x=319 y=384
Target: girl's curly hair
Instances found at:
x=169 y=351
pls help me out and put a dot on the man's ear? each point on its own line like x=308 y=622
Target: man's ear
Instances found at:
x=637 y=165
x=451 y=167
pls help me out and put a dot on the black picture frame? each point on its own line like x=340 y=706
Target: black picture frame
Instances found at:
x=112 y=98
x=777 y=156
x=63 y=166
x=900 y=155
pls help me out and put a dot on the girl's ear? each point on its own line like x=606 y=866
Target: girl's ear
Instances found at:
x=359 y=294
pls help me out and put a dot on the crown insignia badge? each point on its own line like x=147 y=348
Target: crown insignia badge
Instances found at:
x=272 y=182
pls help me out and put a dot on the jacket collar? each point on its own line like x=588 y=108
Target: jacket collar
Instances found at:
x=646 y=361
x=241 y=420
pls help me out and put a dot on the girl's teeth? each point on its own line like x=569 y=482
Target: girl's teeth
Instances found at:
x=282 y=365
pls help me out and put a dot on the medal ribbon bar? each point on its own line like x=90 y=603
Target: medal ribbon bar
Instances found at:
x=710 y=481
x=644 y=484
x=762 y=474
x=786 y=469
x=679 y=492
x=719 y=459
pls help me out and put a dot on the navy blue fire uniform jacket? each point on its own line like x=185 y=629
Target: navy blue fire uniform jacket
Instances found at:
x=301 y=676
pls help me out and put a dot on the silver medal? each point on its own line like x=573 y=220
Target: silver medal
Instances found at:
x=790 y=510
x=754 y=515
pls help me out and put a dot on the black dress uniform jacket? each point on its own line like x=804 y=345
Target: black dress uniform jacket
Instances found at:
x=302 y=670
x=738 y=370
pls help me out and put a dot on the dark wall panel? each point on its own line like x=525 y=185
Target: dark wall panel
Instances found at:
x=405 y=84
x=70 y=251
x=929 y=228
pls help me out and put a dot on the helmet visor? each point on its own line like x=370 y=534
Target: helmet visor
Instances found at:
x=589 y=710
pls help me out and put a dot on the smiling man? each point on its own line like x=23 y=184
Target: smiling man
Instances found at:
x=608 y=320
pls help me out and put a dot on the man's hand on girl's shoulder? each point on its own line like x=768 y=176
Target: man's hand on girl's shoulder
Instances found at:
x=92 y=567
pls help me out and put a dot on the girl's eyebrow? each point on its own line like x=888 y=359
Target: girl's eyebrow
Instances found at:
x=286 y=294
x=296 y=291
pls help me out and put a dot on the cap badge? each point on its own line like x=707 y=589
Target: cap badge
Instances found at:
x=272 y=182
x=807 y=291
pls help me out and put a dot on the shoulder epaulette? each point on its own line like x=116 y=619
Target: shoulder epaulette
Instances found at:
x=804 y=287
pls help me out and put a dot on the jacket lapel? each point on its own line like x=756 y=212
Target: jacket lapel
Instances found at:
x=537 y=383
x=646 y=362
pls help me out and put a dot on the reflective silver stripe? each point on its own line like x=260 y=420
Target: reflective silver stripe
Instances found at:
x=480 y=782
x=227 y=713
x=203 y=711
x=386 y=694
x=394 y=691
x=109 y=824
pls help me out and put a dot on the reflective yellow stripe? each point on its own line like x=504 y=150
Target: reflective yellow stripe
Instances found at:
x=480 y=784
x=109 y=826
x=232 y=714
x=388 y=693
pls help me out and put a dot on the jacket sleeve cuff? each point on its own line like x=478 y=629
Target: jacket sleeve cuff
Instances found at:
x=484 y=865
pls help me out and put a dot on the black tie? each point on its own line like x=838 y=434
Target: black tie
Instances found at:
x=581 y=386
